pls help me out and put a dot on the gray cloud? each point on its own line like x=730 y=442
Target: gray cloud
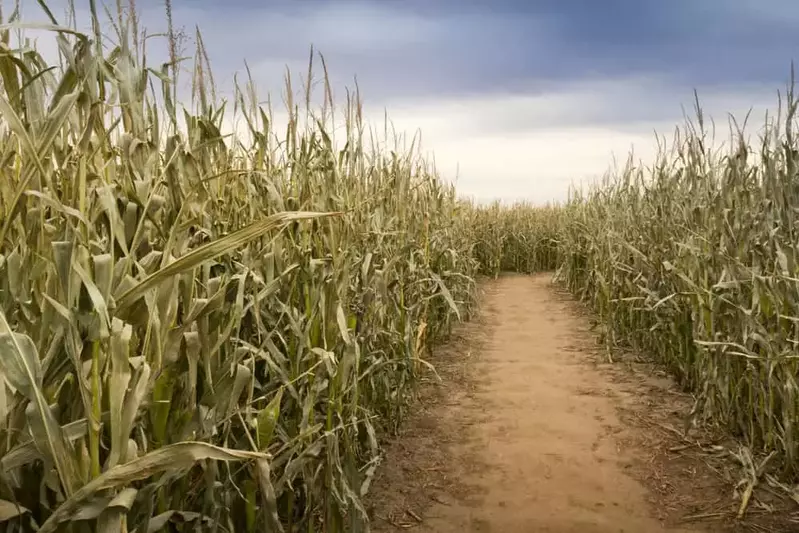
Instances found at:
x=416 y=49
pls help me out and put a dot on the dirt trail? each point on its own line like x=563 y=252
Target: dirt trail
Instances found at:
x=533 y=447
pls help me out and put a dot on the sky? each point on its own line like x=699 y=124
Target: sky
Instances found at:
x=517 y=99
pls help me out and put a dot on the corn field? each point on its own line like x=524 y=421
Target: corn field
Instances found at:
x=212 y=331
x=694 y=263
x=518 y=238
x=200 y=330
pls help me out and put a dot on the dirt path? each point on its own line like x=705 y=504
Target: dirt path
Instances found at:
x=534 y=445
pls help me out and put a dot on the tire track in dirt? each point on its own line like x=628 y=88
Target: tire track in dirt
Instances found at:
x=533 y=446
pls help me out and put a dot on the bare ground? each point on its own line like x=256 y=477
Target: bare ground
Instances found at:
x=532 y=430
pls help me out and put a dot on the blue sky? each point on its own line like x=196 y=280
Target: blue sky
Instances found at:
x=524 y=98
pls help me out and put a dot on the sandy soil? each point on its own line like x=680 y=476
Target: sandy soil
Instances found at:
x=528 y=432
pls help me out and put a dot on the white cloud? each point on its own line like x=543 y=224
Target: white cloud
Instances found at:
x=534 y=147
x=523 y=147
